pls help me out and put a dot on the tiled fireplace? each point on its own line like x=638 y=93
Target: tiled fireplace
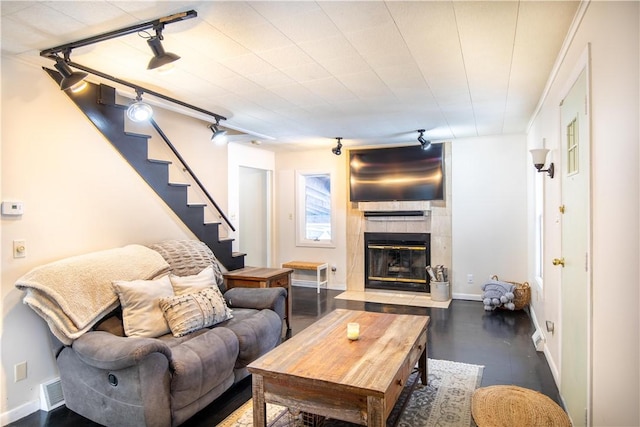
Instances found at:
x=432 y=218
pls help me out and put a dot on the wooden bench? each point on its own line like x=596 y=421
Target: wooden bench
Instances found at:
x=321 y=269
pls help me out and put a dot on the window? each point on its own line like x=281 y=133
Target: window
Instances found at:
x=314 y=216
x=572 y=148
x=539 y=227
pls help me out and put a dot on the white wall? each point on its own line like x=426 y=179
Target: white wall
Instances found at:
x=612 y=30
x=287 y=163
x=80 y=195
x=489 y=205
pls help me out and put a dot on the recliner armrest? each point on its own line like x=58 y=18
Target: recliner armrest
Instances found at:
x=107 y=351
x=257 y=298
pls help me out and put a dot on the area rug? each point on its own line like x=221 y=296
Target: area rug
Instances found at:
x=416 y=299
x=444 y=402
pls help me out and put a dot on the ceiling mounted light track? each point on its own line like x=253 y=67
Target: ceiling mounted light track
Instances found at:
x=71 y=80
x=139 y=111
x=157 y=25
x=425 y=144
x=163 y=61
x=218 y=136
x=337 y=150
x=63 y=65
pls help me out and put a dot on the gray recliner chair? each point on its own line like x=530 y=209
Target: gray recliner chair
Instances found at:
x=117 y=380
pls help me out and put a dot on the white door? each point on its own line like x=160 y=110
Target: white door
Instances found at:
x=254 y=216
x=575 y=282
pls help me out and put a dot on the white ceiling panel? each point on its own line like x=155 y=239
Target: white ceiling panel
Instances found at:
x=307 y=71
x=330 y=89
x=350 y=16
x=366 y=85
x=305 y=27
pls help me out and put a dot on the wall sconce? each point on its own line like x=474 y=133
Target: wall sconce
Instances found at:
x=337 y=150
x=539 y=156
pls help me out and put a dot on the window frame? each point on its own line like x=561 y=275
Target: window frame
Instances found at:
x=539 y=229
x=300 y=196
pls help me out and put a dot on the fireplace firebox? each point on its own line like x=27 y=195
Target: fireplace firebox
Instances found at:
x=397 y=261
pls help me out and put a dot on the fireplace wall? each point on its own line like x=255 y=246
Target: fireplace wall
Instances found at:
x=435 y=219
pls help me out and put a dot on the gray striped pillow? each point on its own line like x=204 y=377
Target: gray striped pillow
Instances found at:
x=193 y=311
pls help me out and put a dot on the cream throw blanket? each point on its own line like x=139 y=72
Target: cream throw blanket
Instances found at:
x=73 y=294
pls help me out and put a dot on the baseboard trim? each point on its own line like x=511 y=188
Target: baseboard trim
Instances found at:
x=312 y=284
x=20 y=412
x=468 y=297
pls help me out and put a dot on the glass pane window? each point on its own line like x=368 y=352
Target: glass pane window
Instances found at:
x=539 y=227
x=315 y=224
x=572 y=147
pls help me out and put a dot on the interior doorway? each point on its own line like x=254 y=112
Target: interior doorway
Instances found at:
x=255 y=216
x=576 y=237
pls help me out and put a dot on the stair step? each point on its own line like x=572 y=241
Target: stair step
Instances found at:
x=139 y=135
x=162 y=162
x=179 y=184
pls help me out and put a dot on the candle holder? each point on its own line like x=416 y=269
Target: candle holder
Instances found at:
x=353 y=331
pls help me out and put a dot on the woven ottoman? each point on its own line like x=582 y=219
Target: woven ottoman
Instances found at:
x=509 y=406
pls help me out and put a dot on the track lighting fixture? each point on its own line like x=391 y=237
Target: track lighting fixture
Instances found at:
x=425 y=144
x=337 y=150
x=160 y=57
x=71 y=80
x=161 y=60
x=218 y=136
x=139 y=111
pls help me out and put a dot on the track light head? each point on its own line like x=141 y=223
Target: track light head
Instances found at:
x=425 y=144
x=139 y=111
x=71 y=80
x=161 y=59
x=337 y=150
x=218 y=136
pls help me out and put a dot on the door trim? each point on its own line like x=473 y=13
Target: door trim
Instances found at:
x=583 y=64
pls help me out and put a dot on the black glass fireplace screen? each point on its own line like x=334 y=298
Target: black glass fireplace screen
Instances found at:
x=397 y=263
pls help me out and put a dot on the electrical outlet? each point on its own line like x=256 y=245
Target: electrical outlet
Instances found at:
x=470 y=279
x=20 y=371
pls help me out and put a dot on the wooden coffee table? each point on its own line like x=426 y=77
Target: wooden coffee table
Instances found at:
x=322 y=372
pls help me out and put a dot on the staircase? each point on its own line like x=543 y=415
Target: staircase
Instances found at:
x=98 y=103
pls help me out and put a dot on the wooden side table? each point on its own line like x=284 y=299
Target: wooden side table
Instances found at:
x=262 y=277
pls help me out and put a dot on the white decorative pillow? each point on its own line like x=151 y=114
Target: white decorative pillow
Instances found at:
x=141 y=314
x=187 y=284
x=193 y=311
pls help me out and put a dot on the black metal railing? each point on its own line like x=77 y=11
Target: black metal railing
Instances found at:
x=191 y=173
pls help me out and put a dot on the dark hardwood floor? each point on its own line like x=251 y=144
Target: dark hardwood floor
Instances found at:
x=500 y=340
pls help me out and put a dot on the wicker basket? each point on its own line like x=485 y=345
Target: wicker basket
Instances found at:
x=521 y=293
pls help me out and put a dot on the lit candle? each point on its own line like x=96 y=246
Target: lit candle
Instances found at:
x=353 y=331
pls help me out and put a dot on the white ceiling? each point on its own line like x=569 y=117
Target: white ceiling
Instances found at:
x=298 y=74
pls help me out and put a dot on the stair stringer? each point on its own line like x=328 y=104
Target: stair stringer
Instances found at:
x=98 y=103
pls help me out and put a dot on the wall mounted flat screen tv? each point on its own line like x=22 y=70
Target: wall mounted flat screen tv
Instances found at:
x=397 y=174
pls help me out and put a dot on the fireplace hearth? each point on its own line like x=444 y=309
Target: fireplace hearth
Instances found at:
x=397 y=261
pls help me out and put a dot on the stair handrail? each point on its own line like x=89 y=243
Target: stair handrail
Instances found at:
x=191 y=173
